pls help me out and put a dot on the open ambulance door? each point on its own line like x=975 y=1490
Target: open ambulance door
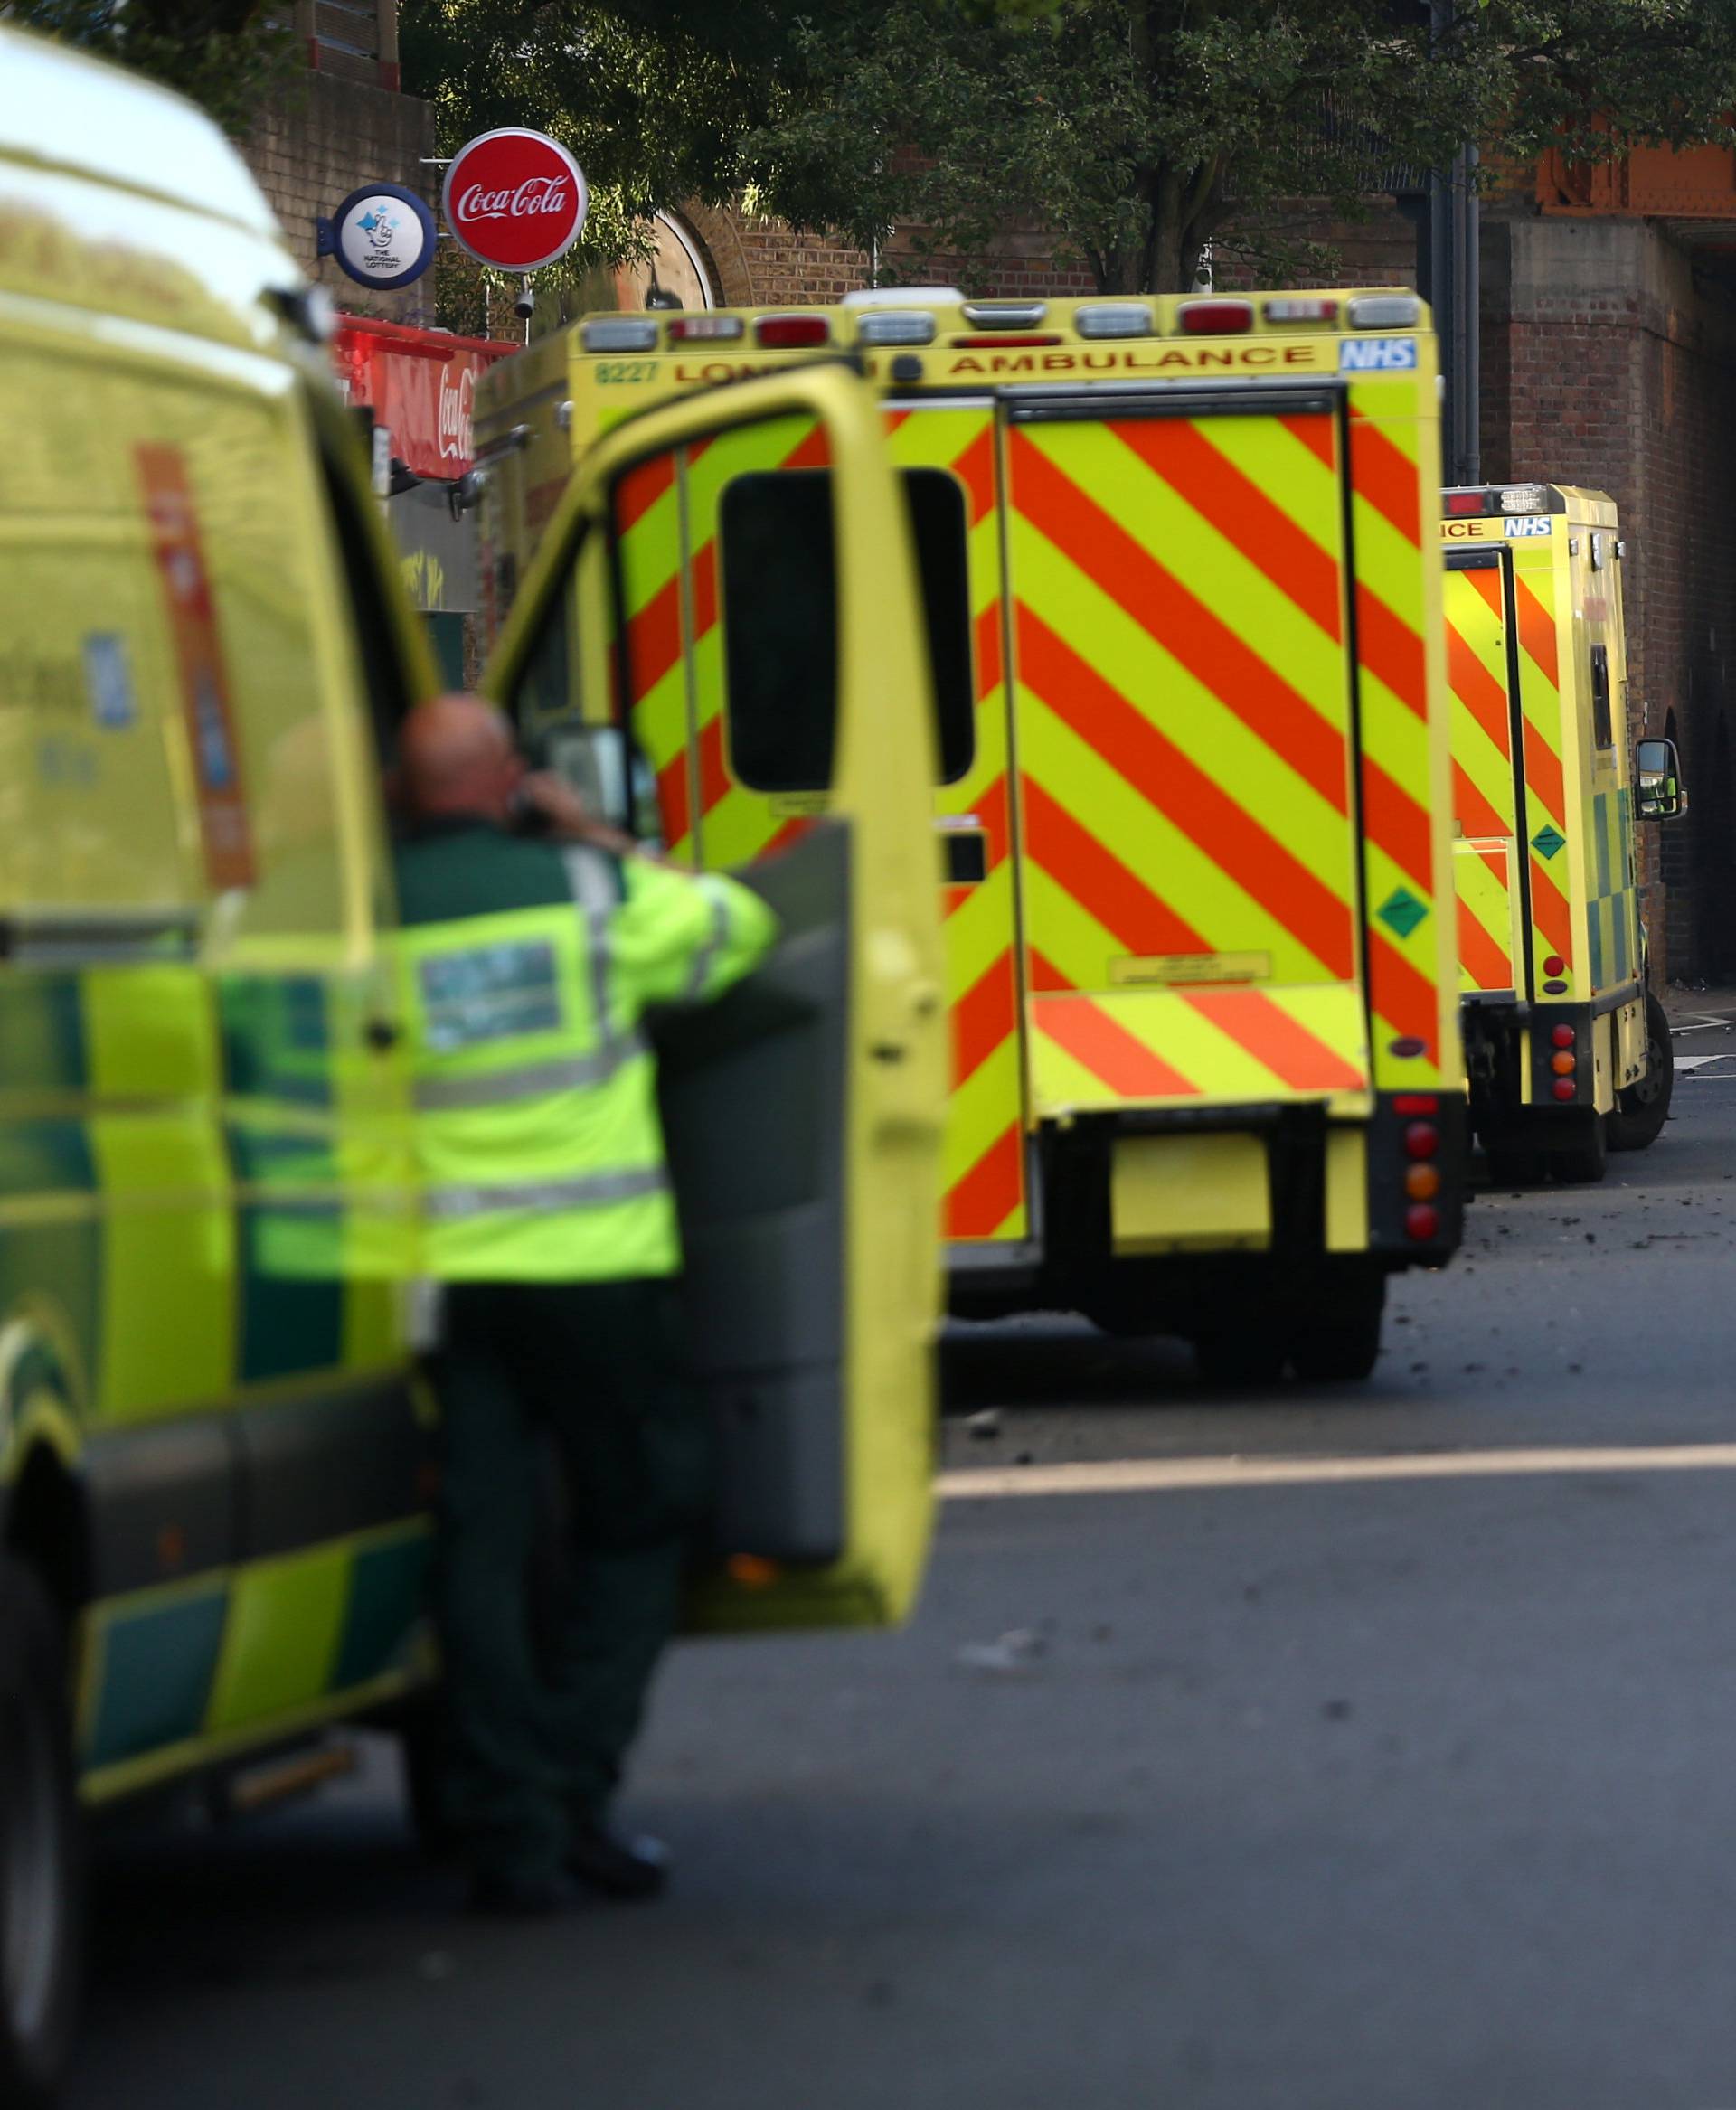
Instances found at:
x=803 y=1111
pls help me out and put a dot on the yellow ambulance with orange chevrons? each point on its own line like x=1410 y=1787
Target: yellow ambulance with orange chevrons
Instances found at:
x=1191 y=762
x=1567 y=1051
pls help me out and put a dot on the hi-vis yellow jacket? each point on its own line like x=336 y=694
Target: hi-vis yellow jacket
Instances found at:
x=539 y=1149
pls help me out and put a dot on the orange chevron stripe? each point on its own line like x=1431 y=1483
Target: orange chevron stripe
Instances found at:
x=1108 y=1050
x=1477 y=688
x=1318 y=435
x=704 y=588
x=1046 y=978
x=1536 y=630
x=654 y=637
x=1398 y=824
x=1218 y=491
x=1472 y=810
x=1486 y=579
x=975 y=468
x=1402 y=994
x=1549 y=911
x=672 y=802
x=1392 y=651
x=640 y=489
x=1543 y=772
x=1192 y=633
x=977 y=1204
x=1270 y=1034
x=1484 y=960
x=989 y=805
x=813 y=452
x=982 y=1017
x=713 y=773
x=1162 y=773
x=1099 y=881
x=1383 y=474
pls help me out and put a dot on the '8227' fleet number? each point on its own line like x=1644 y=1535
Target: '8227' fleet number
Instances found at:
x=625 y=369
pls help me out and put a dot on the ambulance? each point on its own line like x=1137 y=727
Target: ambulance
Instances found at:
x=1568 y=1053
x=1190 y=760
x=214 y=1450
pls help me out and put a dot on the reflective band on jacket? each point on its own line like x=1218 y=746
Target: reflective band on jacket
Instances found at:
x=594 y=1190
x=500 y=1088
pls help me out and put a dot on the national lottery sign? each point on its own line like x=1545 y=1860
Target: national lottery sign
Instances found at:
x=514 y=198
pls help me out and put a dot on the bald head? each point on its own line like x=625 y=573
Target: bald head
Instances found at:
x=456 y=757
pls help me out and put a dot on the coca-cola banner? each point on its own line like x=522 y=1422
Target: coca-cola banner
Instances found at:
x=516 y=200
x=420 y=385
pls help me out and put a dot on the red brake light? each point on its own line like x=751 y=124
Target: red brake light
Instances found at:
x=1554 y=965
x=1422 y=1139
x=1416 y=1103
x=789 y=333
x=1562 y=1036
x=1422 y=1221
x=1216 y=318
x=1459 y=502
x=1565 y=1088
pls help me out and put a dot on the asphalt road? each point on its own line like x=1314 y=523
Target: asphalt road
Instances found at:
x=1379 y=1787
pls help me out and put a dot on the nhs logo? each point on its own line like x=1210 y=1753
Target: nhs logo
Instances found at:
x=1377 y=355
x=1518 y=526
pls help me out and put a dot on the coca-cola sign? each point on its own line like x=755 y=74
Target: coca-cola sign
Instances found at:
x=514 y=198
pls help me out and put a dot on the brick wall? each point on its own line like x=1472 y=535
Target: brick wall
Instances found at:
x=1606 y=363
x=324 y=137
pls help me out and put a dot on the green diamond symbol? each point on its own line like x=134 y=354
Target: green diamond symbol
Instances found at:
x=1401 y=911
x=1549 y=841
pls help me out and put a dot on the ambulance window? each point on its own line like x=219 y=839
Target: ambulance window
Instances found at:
x=1603 y=729
x=780 y=623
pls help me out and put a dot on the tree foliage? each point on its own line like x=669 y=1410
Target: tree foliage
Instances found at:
x=1141 y=130
x=227 y=55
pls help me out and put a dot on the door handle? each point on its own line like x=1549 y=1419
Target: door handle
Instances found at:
x=382 y=1034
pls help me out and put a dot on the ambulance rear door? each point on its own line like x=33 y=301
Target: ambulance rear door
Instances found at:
x=803 y=1112
x=1185 y=688
x=1490 y=868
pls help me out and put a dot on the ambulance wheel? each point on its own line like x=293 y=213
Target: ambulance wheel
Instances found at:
x=1643 y=1109
x=1339 y=1341
x=1253 y=1353
x=1582 y=1160
x=40 y=1872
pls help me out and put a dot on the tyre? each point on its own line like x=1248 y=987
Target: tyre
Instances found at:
x=1643 y=1109
x=1251 y=1355
x=1581 y=1158
x=1339 y=1340
x=41 y=1864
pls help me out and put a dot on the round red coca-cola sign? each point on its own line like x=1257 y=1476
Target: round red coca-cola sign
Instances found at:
x=514 y=198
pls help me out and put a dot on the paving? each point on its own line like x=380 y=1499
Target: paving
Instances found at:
x=1350 y=1747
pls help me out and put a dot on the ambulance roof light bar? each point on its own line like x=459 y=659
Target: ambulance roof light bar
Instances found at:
x=694 y=329
x=1005 y=315
x=1113 y=318
x=896 y=325
x=902 y=296
x=619 y=332
x=1385 y=311
x=1477 y=501
x=788 y=332
x=1215 y=318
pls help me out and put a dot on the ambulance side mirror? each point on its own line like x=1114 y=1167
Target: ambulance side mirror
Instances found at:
x=1659 y=793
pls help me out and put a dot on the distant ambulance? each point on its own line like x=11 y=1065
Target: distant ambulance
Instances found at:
x=1567 y=1051
x=1191 y=760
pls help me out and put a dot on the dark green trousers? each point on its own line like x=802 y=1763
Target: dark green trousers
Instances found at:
x=576 y=1473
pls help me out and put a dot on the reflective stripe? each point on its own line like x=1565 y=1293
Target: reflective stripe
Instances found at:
x=447 y=1205
x=499 y=1088
x=706 y=957
x=595 y=886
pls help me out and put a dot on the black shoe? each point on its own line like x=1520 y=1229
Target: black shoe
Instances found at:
x=638 y=1868
x=497 y=1897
